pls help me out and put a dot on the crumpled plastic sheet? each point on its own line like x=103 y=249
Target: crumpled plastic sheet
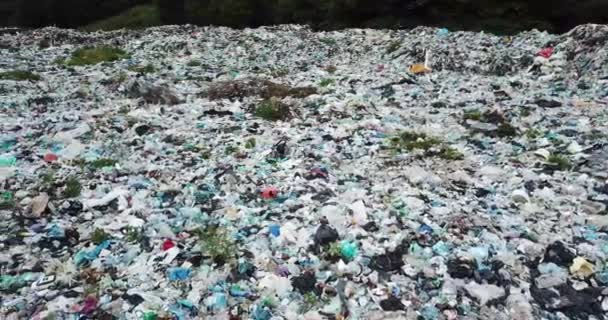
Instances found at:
x=202 y=209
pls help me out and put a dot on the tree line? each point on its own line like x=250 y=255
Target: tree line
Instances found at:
x=506 y=15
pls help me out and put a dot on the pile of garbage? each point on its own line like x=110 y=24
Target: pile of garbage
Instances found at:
x=184 y=172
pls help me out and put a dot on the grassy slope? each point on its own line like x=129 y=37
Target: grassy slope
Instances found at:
x=135 y=18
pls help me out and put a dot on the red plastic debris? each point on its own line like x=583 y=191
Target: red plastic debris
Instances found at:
x=50 y=157
x=270 y=193
x=168 y=244
x=546 y=52
x=319 y=172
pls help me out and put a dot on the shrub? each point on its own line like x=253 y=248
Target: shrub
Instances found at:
x=272 y=110
x=137 y=17
x=95 y=55
x=72 y=188
x=19 y=75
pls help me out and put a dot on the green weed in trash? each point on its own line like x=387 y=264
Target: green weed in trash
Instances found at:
x=72 y=188
x=19 y=75
x=216 y=243
x=95 y=55
x=99 y=236
x=559 y=161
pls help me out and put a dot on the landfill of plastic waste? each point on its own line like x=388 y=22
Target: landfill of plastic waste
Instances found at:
x=280 y=173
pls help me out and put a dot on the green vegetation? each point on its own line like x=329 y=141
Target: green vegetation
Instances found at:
x=393 y=46
x=473 y=114
x=216 y=243
x=149 y=68
x=255 y=87
x=310 y=301
x=524 y=112
x=250 y=144
x=272 y=110
x=72 y=188
x=138 y=17
x=194 y=63
x=493 y=16
x=450 y=153
x=102 y=163
x=559 y=161
x=279 y=72
x=95 y=55
x=99 y=236
x=230 y=150
x=431 y=146
x=333 y=251
x=19 y=75
x=134 y=235
x=533 y=133
x=506 y=130
x=48 y=178
x=412 y=140
x=328 y=41
x=121 y=77
x=326 y=82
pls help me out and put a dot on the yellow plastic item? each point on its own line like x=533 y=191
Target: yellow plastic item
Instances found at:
x=419 y=68
x=581 y=267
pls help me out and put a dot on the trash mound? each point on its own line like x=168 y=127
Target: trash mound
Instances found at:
x=182 y=172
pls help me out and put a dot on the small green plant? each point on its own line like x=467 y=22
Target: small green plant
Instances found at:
x=79 y=162
x=326 y=82
x=19 y=75
x=280 y=72
x=195 y=78
x=102 y=163
x=121 y=77
x=95 y=55
x=533 y=133
x=450 y=153
x=216 y=243
x=333 y=251
x=310 y=301
x=413 y=140
x=559 y=161
x=328 y=41
x=149 y=68
x=432 y=146
x=393 y=46
x=473 y=114
x=194 y=63
x=506 y=130
x=99 y=236
x=231 y=150
x=250 y=144
x=124 y=109
x=134 y=235
x=72 y=188
x=48 y=178
x=272 y=110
